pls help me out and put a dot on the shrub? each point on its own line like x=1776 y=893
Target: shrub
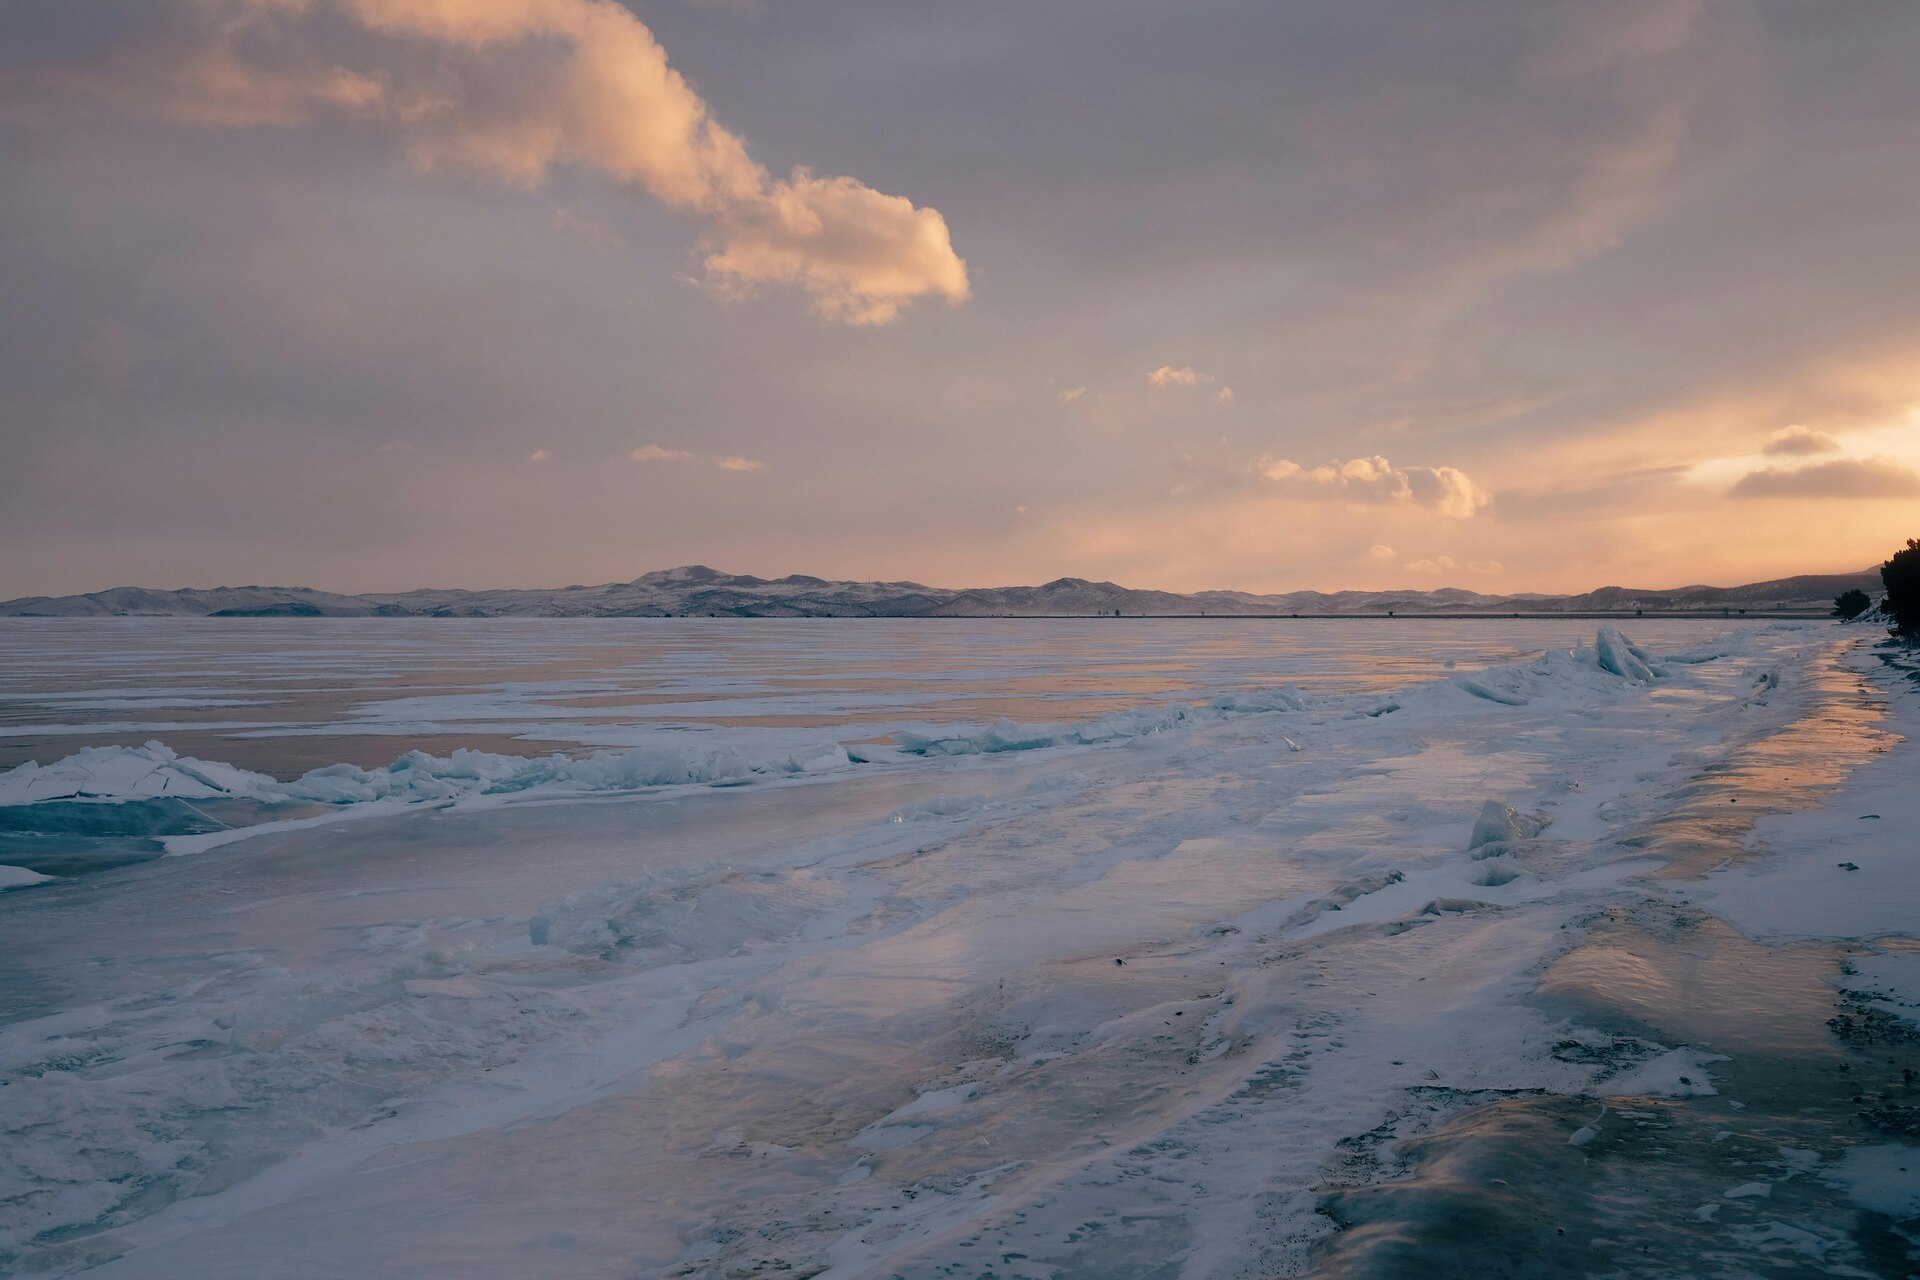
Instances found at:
x=1851 y=604
x=1901 y=573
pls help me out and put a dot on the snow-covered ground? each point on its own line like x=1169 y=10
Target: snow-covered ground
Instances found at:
x=1127 y=996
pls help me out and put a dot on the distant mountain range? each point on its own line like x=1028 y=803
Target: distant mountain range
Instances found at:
x=699 y=591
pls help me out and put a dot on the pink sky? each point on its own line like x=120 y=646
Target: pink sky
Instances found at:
x=375 y=294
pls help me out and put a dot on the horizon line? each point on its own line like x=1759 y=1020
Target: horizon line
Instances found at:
x=911 y=582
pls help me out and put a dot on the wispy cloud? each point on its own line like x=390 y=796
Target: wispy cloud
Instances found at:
x=723 y=462
x=655 y=453
x=538 y=455
x=594 y=234
x=1070 y=394
x=1185 y=376
x=1841 y=478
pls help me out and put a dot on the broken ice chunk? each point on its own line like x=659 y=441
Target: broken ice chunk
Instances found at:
x=1499 y=823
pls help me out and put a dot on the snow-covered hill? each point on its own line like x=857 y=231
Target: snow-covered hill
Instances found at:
x=700 y=591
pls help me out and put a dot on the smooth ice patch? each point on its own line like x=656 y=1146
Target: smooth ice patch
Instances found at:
x=1882 y=1179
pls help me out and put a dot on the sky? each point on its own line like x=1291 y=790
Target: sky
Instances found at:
x=1531 y=295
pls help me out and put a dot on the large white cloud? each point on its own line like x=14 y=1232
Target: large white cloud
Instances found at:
x=1447 y=490
x=518 y=87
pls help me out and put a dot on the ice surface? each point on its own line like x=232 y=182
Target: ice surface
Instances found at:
x=126 y=773
x=1844 y=869
x=1586 y=1133
x=20 y=878
x=1119 y=1008
x=1888 y=983
x=1582 y=671
x=1677 y=1073
x=1881 y=1179
x=1500 y=823
x=1135 y=722
x=623 y=682
x=1277 y=699
x=1624 y=658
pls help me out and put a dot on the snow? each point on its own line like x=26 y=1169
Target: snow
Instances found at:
x=1586 y=1133
x=1881 y=1179
x=1081 y=994
x=1500 y=824
x=1843 y=869
x=1888 y=983
x=20 y=878
x=1677 y=1073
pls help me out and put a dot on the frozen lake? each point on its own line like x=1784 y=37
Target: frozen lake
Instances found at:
x=1030 y=950
x=284 y=696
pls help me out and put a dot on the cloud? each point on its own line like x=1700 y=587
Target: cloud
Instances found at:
x=1380 y=551
x=724 y=462
x=1225 y=395
x=594 y=234
x=1447 y=490
x=1800 y=441
x=654 y=453
x=1841 y=478
x=1168 y=376
x=1447 y=564
x=538 y=455
x=1070 y=394
x=863 y=255
x=520 y=87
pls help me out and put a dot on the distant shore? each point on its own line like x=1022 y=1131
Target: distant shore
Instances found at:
x=1736 y=615
x=700 y=591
